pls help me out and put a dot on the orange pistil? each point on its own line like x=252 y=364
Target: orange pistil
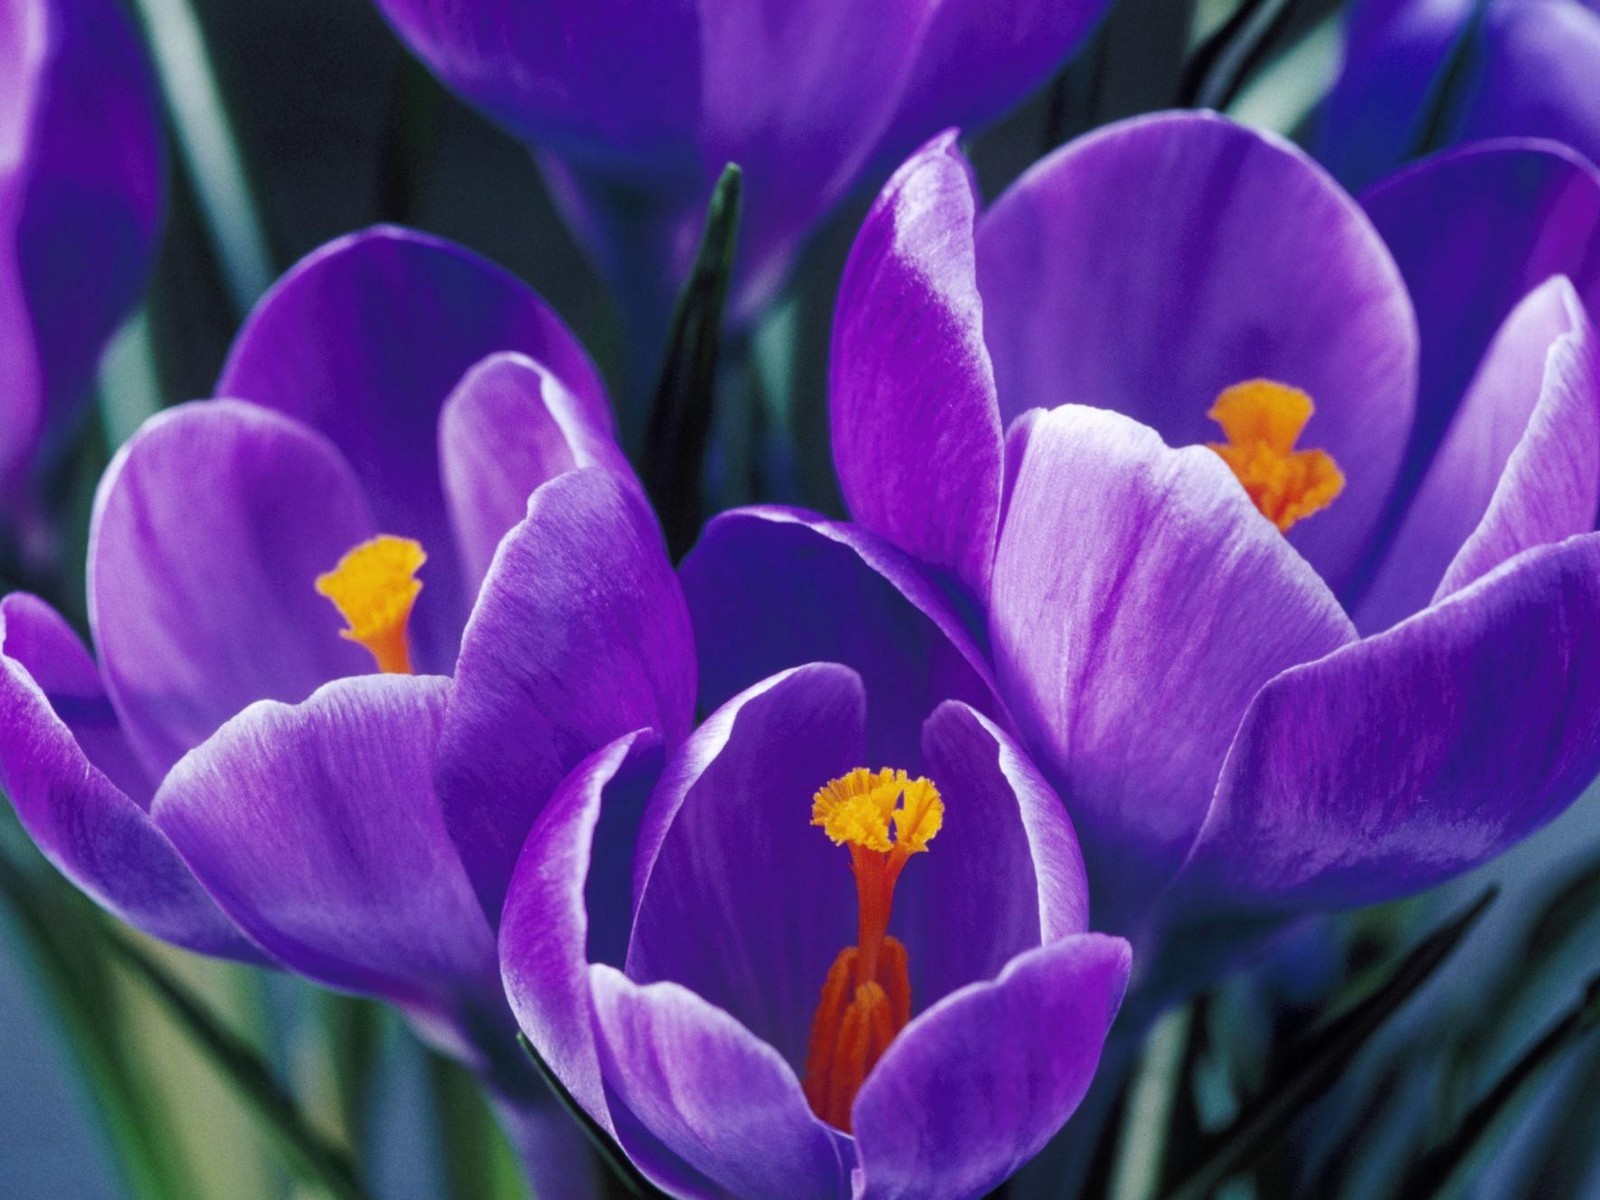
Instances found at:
x=374 y=587
x=866 y=999
x=1262 y=421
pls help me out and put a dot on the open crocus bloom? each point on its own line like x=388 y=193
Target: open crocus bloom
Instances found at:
x=638 y=106
x=82 y=173
x=249 y=768
x=832 y=981
x=1512 y=68
x=1242 y=721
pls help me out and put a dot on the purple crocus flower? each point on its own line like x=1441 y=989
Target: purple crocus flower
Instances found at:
x=81 y=189
x=636 y=107
x=1438 y=72
x=1243 y=722
x=232 y=774
x=757 y=1023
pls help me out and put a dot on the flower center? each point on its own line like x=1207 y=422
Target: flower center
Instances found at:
x=374 y=587
x=866 y=999
x=1262 y=420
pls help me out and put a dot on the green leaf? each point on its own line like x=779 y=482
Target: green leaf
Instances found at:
x=1432 y=1174
x=1320 y=1059
x=610 y=1153
x=680 y=416
x=479 y=1163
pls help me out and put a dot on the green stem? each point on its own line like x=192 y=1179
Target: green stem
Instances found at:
x=1136 y=1174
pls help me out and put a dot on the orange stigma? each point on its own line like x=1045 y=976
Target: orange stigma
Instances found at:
x=374 y=587
x=866 y=999
x=1262 y=420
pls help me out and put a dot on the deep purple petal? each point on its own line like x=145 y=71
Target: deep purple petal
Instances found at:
x=580 y=635
x=772 y=588
x=64 y=764
x=1519 y=466
x=210 y=529
x=1474 y=231
x=508 y=427
x=364 y=340
x=1003 y=875
x=1405 y=759
x=570 y=904
x=317 y=829
x=1139 y=602
x=1151 y=265
x=713 y=1093
x=916 y=425
x=975 y=1087
x=82 y=182
x=737 y=897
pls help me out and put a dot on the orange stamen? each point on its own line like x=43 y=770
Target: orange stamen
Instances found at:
x=374 y=588
x=1262 y=421
x=866 y=998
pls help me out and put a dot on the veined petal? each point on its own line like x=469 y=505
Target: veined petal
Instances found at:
x=77 y=790
x=580 y=635
x=1407 y=758
x=916 y=423
x=1153 y=264
x=1133 y=579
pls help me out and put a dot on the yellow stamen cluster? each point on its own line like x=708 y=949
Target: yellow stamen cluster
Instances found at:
x=374 y=587
x=1262 y=420
x=859 y=808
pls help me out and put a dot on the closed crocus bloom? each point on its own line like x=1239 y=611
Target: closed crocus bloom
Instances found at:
x=832 y=981
x=412 y=444
x=1312 y=620
x=81 y=189
x=636 y=106
x=1429 y=73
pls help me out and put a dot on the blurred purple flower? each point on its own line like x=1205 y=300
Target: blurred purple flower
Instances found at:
x=82 y=179
x=231 y=775
x=1243 y=723
x=941 y=1057
x=1434 y=73
x=636 y=107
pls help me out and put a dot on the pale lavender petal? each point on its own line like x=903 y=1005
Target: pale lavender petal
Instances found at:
x=1134 y=580
x=1408 y=758
x=64 y=764
x=509 y=426
x=210 y=529
x=1519 y=466
x=916 y=425
x=317 y=829
x=975 y=1086
x=1149 y=266
x=580 y=635
x=713 y=1093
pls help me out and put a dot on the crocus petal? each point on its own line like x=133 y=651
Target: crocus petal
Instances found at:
x=916 y=424
x=737 y=897
x=64 y=765
x=975 y=1086
x=364 y=340
x=580 y=636
x=210 y=528
x=1411 y=756
x=771 y=588
x=570 y=902
x=1133 y=579
x=81 y=189
x=317 y=829
x=1474 y=231
x=1519 y=466
x=712 y=1092
x=1151 y=265
x=1005 y=872
x=508 y=427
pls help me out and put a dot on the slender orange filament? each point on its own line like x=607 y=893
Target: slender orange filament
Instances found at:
x=1262 y=421
x=866 y=998
x=374 y=588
